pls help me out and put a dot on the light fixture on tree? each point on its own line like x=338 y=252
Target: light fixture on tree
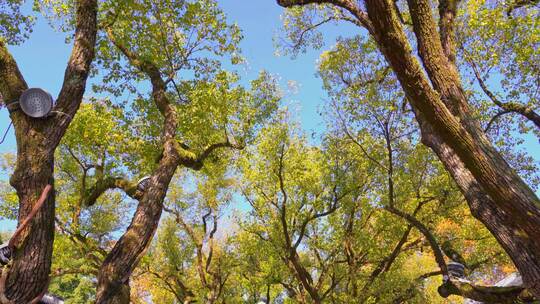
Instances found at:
x=143 y=184
x=36 y=102
x=456 y=269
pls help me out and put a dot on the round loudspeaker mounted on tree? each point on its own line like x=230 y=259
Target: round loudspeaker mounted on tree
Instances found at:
x=36 y=102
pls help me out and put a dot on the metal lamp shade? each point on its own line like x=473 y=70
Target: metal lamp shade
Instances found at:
x=456 y=269
x=5 y=254
x=143 y=183
x=51 y=299
x=36 y=102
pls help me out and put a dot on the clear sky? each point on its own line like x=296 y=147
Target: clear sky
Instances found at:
x=42 y=60
x=43 y=57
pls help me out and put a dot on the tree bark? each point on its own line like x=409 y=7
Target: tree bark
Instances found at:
x=37 y=140
x=502 y=226
x=121 y=295
x=303 y=276
x=496 y=195
x=129 y=249
x=507 y=206
x=485 y=294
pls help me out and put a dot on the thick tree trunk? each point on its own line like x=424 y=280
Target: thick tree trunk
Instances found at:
x=37 y=140
x=497 y=195
x=121 y=295
x=129 y=249
x=32 y=261
x=301 y=274
x=28 y=274
x=124 y=257
x=502 y=226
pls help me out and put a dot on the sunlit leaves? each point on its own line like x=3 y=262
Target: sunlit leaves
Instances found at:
x=59 y=13
x=301 y=28
x=505 y=50
x=184 y=39
x=8 y=197
x=15 y=25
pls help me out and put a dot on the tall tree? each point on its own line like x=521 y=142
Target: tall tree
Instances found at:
x=293 y=189
x=496 y=194
x=194 y=259
x=37 y=139
x=341 y=244
x=199 y=114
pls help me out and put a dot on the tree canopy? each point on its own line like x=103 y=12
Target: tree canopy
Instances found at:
x=178 y=179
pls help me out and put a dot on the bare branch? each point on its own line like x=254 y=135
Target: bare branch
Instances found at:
x=283 y=208
x=356 y=142
x=506 y=107
x=348 y=5
x=437 y=252
x=300 y=39
x=196 y=162
x=494 y=119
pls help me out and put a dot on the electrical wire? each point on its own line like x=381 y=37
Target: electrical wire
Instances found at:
x=11 y=123
x=62 y=113
x=5 y=133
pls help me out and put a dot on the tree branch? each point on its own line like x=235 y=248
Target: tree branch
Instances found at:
x=283 y=208
x=78 y=67
x=108 y=183
x=190 y=160
x=452 y=286
x=12 y=83
x=211 y=247
x=447 y=16
x=300 y=38
x=198 y=245
x=437 y=251
x=348 y=5
x=520 y=3
x=494 y=119
x=357 y=143
x=311 y=217
x=506 y=107
x=159 y=87
x=385 y=264
x=441 y=70
x=485 y=294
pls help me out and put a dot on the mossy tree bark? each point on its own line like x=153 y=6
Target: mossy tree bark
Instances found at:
x=497 y=196
x=113 y=276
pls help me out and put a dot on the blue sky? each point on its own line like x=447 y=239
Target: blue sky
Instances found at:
x=42 y=58
x=42 y=61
